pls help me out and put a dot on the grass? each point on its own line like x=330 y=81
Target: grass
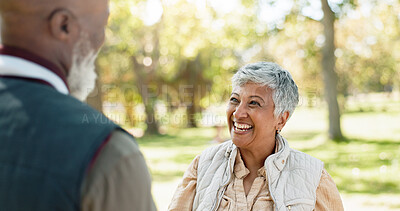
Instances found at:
x=169 y=155
x=365 y=168
x=362 y=166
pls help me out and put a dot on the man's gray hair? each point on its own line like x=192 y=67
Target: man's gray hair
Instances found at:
x=284 y=90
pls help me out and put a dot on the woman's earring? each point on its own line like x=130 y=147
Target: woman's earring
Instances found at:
x=278 y=131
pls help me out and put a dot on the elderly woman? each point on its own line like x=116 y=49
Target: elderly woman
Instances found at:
x=257 y=170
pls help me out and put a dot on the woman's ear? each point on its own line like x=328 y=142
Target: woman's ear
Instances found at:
x=282 y=119
x=64 y=26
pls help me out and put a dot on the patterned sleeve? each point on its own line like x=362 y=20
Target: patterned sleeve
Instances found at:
x=186 y=190
x=328 y=197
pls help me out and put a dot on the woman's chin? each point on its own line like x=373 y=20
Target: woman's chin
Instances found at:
x=242 y=138
x=241 y=141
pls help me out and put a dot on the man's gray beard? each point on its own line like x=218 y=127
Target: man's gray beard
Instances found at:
x=82 y=75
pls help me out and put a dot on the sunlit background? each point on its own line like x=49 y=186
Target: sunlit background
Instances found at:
x=165 y=76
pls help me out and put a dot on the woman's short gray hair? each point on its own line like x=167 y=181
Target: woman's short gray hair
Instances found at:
x=285 y=92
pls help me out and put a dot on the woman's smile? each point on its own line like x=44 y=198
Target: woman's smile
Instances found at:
x=242 y=128
x=250 y=115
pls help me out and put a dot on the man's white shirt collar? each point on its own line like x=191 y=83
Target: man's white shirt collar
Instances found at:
x=17 y=67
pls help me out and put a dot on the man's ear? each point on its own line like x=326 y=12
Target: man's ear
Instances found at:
x=64 y=25
x=282 y=120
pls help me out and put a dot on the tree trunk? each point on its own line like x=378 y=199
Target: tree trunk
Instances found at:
x=191 y=114
x=148 y=97
x=193 y=75
x=146 y=78
x=152 y=125
x=130 y=119
x=329 y=74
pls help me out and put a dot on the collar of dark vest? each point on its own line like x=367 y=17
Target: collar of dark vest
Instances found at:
x=27 y=55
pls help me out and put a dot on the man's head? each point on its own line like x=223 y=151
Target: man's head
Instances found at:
x=68 y=33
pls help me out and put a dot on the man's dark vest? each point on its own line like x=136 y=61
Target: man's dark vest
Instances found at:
x=47 y=143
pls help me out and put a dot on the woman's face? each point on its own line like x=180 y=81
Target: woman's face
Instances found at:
x=250 y=114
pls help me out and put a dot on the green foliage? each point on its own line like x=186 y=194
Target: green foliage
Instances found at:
x=200 y=47
x=366 y=62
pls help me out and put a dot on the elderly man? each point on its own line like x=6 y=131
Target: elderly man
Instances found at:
x=57 y=153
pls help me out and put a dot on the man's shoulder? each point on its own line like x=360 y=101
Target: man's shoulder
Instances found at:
x=119 y=171
x=123 y=143
x=120 y=146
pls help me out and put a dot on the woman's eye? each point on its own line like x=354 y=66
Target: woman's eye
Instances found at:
x=233 y=100
x=255 y=103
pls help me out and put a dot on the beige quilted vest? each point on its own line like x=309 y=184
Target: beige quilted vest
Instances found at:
x=293 y=177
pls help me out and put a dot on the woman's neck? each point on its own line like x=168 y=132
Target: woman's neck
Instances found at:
x=254 y=160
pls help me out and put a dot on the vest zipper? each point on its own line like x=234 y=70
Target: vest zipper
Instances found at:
x=216 y=204
x=224 y=186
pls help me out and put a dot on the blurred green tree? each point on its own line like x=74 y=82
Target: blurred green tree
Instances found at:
x=182 y=57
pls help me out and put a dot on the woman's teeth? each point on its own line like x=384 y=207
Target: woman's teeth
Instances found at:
x=242 y=127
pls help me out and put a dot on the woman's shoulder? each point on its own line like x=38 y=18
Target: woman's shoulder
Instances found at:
x=215 y=155
x=302 y=155
x=299 y=159
x=223 y=148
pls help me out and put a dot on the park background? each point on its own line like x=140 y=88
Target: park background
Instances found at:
x=165 y=69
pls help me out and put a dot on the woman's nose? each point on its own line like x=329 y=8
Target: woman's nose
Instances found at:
x=240 y=111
